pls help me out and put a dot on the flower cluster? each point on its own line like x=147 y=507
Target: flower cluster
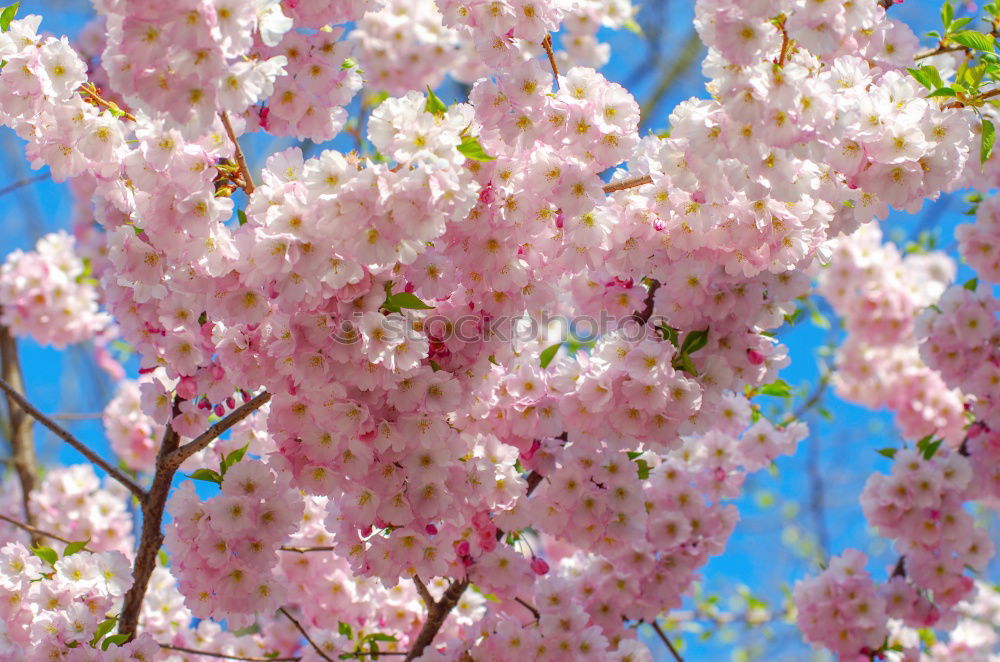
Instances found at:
x=224 y=550
x=879 y=294
x=133 y=434
x=840 y=608
x=48 y=294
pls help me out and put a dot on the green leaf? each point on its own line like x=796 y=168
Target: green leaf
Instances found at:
x=434 y=105
x=373 y=647
x=694 y=341
x=349 y=63
x=396 y=302
x=683 y=362
x=989 y=135
x=818 y=319
x=960 y=23
x=74 y=547
x=778 y=388
x=116 y=639
x=7 y=15
x=643 y=469
x=344 y=629
x=670 y=333
x=971 y=284
x=887 y=452
x=472 y=149
x=46 y=554
x=242 y=216
x=104 y=627
x=927 y=76
x=549 y=353
x=633 y=26
x=492 y=359
x=974 y=40
x=947 y=13
x=235 y=456
x=163 y=557
x=931 y=448
x=380 y=636
x=207 y=475
x=943 y=92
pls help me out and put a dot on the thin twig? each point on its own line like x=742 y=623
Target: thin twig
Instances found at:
x=677 y=656
x=77 y=416
x=177 y=458
x=527 y=606
x=979 y=97
x=937 y=51
x=305 y=634
x=35 y=531
x=89 y=88
x=181 y=649
x=240 y=159
x=13 y=186
x=628 y=183
x=547 y=45
x=72 y=441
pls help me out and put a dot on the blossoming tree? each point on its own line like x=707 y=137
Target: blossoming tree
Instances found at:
x=359 y=358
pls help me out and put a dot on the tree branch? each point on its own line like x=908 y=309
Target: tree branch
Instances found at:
x=547 y=45
x=534 y=612
x=181 y=649
x=22 y=439
x=628 y=183
x=305 y=634
x=36 y=532
x=436 y=615
x=677 y=656
x=13 y=186
x=176 y=458
x=93 y=457
x=240 y=159
x=152 y=536
x=304 y=550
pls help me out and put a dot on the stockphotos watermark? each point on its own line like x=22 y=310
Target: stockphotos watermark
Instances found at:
x=473 y=328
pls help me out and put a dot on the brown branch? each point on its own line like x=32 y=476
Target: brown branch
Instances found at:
x=436 y=616
x=13 y=186
x=16 y=396
x=656 y=627
x=151 y=537
x=885 y=4
x=785 y=42
x=90 y=89
x=240 y=159
x=181 y=649
x=937 y=51
x=305 y=634
x=175 y=459
x=527 y=606
x=22 y=439
x=547 y=45
x=628 y=183
x=304 y=550
x=36 y=532
x=424 y=592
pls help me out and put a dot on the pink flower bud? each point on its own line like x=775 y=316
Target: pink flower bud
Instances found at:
x=462 y=548
x=187 y=388
x=755 y=357
x=539 y=566
x=431 y=529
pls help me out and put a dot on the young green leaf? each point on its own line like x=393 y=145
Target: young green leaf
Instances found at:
x=779 y=388
x=670 y=333
x=943 y=92
x=971 y=284
x=242 y=216
x=549 y=353
x=74 y=547
x=694 y=341
x=104 y=627
x=400 y=300
x=927 y=76
x=434 y=105
x=947 y=14
x=7 y=15
x=207 y=475
x=887 y=452
x=974 y=40
x=989 y=135
x=236 y=456
x=116 y=639
x=344 y=630
x=379 y=636
x=472 y=149
x=46 y=554
x=931 y=448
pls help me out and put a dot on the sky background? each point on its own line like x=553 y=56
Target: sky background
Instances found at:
x=812 y=498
